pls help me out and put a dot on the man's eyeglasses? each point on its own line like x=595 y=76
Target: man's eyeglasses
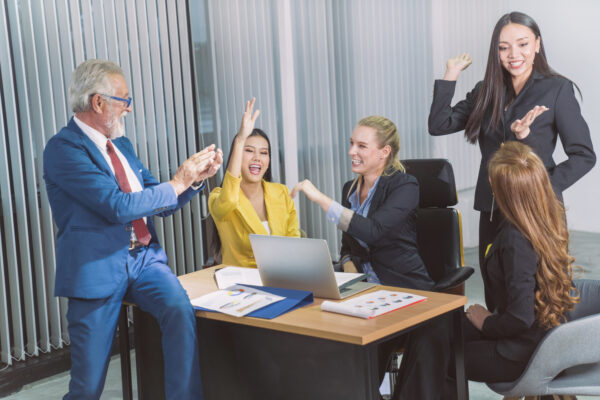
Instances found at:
x=127 y=101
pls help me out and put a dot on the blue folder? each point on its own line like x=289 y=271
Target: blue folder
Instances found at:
x=292 y=299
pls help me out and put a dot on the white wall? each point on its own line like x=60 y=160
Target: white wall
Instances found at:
x=571 y=34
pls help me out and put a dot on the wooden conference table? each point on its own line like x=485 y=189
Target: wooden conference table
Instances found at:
x=303 y=354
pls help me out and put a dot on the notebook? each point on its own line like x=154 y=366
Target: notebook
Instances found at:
x=302 y=264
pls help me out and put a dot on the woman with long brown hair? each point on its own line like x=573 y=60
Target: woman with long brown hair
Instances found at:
x=528 y=269
x=521 y=98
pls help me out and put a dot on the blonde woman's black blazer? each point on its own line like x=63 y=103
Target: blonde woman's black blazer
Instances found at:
x=390 y=231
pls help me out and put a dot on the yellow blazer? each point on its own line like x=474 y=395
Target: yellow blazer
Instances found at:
x=235 y=218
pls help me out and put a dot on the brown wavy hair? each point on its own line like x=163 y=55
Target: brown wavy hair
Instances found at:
x=522 y=189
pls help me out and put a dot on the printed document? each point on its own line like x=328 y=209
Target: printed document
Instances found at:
x=237 y=300
x=372 y=304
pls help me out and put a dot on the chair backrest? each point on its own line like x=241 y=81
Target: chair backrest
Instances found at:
x=439 y=235
x=213 y=243
x=589 y=300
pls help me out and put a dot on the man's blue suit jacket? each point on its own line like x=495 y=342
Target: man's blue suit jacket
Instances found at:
x=94 y=215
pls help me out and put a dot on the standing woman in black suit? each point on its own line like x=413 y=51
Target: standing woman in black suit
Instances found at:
x=378 y=216
x=520 y=98
x=528 y=270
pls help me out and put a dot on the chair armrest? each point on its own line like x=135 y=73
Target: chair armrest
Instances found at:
x=338 y=267
x=453 y=278
x=568 y=345
x=210 y=262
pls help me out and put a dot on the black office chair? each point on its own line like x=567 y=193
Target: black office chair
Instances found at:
x=439 y=232
x=439 y=228
x=213 y=243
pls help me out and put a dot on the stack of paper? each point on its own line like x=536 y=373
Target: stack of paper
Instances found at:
x=228 y=276
x=372 y=304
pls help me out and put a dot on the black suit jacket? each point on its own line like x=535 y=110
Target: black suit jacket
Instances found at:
x=562 y=119
x=508 y=274
x=390 y=231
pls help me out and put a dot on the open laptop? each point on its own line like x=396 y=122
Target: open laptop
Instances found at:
x=303 y=264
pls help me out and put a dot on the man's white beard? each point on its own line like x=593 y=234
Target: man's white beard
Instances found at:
x=115 y=125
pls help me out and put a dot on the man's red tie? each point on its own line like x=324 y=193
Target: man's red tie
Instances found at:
x=139 y=226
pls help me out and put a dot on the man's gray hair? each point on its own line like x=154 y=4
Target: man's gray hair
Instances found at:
x=91 y=76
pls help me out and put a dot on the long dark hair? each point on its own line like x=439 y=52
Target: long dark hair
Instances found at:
x=255 y=132
x=489 y=97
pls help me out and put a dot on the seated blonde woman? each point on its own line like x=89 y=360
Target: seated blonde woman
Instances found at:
x=247 y=201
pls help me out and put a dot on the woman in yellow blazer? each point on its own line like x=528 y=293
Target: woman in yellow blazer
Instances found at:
x=247 y=201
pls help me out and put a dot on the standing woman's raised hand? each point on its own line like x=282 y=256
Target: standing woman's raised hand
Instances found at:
x=455 y=65
x=248 y=120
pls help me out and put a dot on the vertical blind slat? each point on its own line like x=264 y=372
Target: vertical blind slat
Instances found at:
x=5 y=335
x=19 y=154
x=191 y=212
x=33 y=146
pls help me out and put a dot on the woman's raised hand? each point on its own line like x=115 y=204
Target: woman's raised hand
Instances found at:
x=520 y=127
x=455 y=65
x=248 y=120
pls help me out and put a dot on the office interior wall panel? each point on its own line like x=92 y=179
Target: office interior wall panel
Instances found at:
x=151 y=100
x=60 y=63
x=244 y=65
x=5 y=323
x=458 y=27
x=389 y=67
x=354 y=59
x=19 y=141
x=569 y=31
x=315 y=104
x=191 y=212
x=75 y=36
x=462 y=26
x=35 y=71
x=177 y=142
x=206 y=103
x=41 y=42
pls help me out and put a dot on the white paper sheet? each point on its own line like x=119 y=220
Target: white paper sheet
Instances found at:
x=237 y=300
x=372 y=304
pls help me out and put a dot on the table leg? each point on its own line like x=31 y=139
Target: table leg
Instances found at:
x=124 y=352
x=370 y=362
x=462 y=387
x=148 y=356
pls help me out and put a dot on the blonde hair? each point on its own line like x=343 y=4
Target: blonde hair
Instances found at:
x=386 y=135
x=522 y=189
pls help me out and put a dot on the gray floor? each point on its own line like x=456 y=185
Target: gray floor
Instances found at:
x=584 y=247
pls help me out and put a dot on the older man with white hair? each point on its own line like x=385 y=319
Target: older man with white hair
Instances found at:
x=107 y=250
